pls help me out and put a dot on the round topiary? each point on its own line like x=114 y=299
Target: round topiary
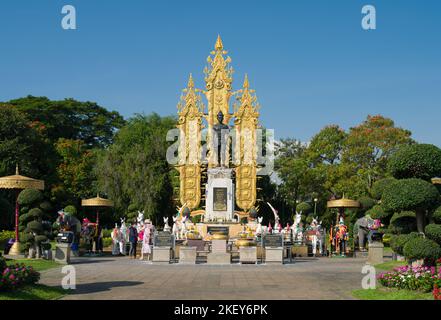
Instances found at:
x=378 y=212
x=70 y=210
x=304 y=207
x=24 y=218
x=397 y=242
x=28 y=197
x=132 y=207
x=35 y=226
x=40 y=238
x=379 y=186
x=433 y=232
x=27 y=237
x=35 y=213
x=421 y=248
x=410 y=194
x=46 y=206
x=366 y=203
x=403 y=222
x=437 y=215
x=421 y=161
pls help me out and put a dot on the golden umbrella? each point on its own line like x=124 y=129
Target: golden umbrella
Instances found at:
x=342 y=204
x=436 y=180
x=18 y=183
x=97 y=202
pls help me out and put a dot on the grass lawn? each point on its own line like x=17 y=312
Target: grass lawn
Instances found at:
x=37 y=264
x=383 y=293
x=390 y=265
x=35 y=292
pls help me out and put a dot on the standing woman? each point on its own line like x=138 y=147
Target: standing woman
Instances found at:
x=133 y=238
x=148 y=230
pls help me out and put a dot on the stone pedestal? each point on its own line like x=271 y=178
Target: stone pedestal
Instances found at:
x=376 y=251
x=299 y=251
x=248 y=255
x=220 y=195
x=274 y=255
x=187 y=255
x=161 y=255
x=219 y=254
x=62 y=253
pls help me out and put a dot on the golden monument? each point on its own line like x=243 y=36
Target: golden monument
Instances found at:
x=194 y=116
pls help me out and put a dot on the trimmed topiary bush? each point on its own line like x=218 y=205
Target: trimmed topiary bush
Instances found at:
x=422 y=248
x=411 y=194
x=70 y=209
x=304 y=207
x=379 y=186
x=403 y=222
x=437 y=215
x=34 y=213
x=421 y=161
x=366 y=203
x=433 y=232
x=378 y=212
x=28 y=197
x=397 y=242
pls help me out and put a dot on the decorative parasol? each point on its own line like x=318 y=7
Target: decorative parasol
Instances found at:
x=18 y=183
x=341 y=205
x=97 y=202
x=436 y=180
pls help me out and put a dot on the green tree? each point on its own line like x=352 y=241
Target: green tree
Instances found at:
x=421 y=161
x=327 y=145
x=75 y=171
x=369 y=146
x=134 y=169
x=71 y=119
x=411 y=195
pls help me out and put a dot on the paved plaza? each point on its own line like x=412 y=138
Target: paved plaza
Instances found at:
x=123 y=278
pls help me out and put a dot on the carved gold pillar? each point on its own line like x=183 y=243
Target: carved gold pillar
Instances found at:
x=245 y=123
x=190 y=111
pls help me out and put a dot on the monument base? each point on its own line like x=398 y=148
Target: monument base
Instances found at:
x=299 y=251
x=274 y=255
x=161 y=255
x=62 y=253
x=248 y=255
x=219 y=258
x=376 y=252
x=187 y=255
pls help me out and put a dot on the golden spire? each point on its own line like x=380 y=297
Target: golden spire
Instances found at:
x=246 y=84
x=16 y=169
x=190 y=84
x=219 y=45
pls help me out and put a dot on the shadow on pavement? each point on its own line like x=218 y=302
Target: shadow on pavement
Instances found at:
x=101 y=286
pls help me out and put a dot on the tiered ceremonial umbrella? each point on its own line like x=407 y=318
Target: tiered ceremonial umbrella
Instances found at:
x=18 y=183
x=341 y=205
x=97 y=202
x=436 y=180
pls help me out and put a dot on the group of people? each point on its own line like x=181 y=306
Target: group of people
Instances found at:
x=137 y=232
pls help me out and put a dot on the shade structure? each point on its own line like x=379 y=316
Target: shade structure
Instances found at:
x=343 y=203
x=97 y=202
x=436 y=180
x=18 y=182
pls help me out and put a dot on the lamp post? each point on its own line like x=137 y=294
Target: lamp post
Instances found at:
x=315 y=206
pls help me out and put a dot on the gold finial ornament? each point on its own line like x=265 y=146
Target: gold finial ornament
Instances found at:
x=219 y=45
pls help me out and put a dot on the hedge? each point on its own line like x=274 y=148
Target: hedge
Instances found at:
x=421 y=248
x=397 y=242
x=378 y=212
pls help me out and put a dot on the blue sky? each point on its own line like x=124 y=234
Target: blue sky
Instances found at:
x=310 y=61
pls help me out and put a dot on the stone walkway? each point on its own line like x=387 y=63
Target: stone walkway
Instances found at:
x=107 y=278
